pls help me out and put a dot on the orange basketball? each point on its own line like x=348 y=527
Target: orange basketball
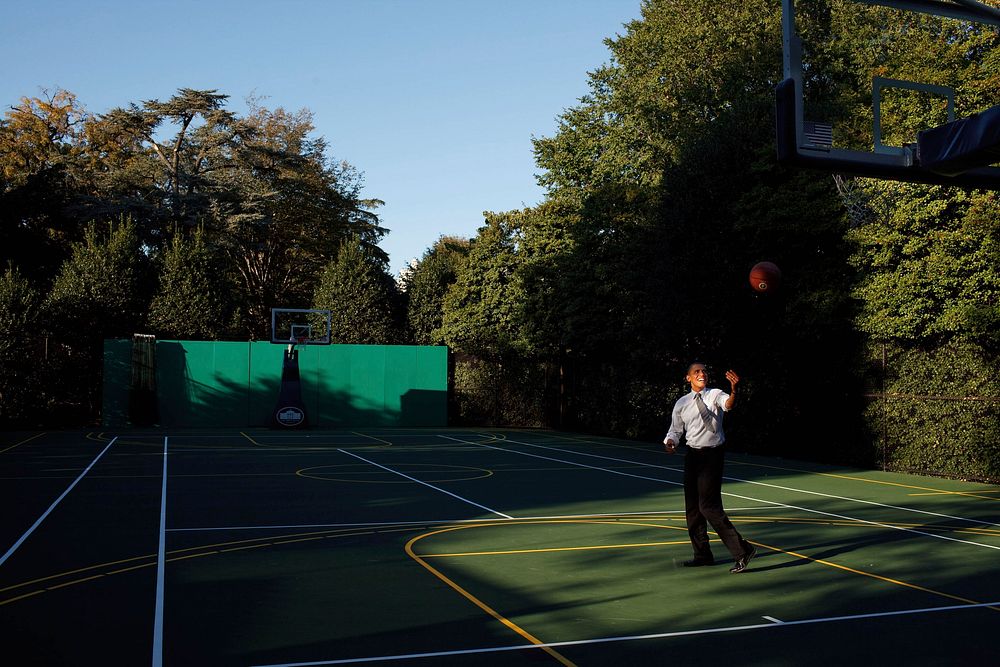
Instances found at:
x=765 y=277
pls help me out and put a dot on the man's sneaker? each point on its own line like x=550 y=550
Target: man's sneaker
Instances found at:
x=744 y=561
x=698 y=562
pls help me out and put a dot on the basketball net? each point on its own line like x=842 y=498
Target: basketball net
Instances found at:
x=856 y=200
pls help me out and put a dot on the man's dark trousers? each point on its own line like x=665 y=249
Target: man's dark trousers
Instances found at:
x=703 y=502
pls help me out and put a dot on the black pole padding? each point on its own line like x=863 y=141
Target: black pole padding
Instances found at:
x=290 y=410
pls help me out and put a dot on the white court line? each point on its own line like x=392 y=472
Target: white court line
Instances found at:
x=161 y=559
x=434 y=522
x=37 y=523
x=414 y=479
x=772 y=619
x=734 y=495
x=659 y=635
x=773 y=486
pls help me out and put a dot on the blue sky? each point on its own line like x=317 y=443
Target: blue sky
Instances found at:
x=435 y=101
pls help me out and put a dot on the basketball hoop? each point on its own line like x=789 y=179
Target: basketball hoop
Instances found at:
x=297 y=326
x=297 y=340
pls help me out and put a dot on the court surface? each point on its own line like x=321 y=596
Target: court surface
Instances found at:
x=474 y=547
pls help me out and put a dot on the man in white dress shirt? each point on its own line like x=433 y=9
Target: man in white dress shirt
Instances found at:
x=697 y=417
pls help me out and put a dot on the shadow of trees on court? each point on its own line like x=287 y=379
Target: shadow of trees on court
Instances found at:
x=361 y=597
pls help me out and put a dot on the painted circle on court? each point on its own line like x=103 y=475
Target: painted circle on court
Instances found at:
x=367 y=474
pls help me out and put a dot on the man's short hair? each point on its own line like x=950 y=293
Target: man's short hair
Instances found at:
x=696 y=363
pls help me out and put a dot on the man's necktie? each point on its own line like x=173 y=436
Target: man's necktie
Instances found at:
x=706 y=416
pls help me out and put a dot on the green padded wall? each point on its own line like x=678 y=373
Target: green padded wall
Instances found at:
x=231 y=385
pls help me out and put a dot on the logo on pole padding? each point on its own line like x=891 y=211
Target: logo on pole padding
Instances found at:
x=290 y=416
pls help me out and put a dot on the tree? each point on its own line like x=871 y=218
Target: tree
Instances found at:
x=193 y=298
x=483 y=308
x=428 y=284
x=102 y=291
x=932 y=266
x=41 y=181
x=203 y=136
x=19 y=338
x=284 y=208
x=360 y=294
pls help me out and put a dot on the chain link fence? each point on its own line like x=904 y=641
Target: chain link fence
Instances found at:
x=934 y=411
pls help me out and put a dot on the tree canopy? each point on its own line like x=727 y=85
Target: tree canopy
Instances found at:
x=662 y=190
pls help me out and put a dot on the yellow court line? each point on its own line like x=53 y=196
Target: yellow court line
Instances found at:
x=251 y=439
x=552 y=549
x=476 y=601
x=907 y=486
x=71 y=572
x=493 y=613
x=958 y=493
x=864 y=479
x=127 y=569
x=70 y=583
x=179 y=554
x=365 y=435
x=871 y=574
x=18 y=444
x=22 y=597
x=977 y=530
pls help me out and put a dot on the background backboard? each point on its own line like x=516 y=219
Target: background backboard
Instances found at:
x=301 y=326
x=920 y=131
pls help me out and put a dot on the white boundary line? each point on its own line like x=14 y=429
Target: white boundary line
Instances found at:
x=660 y=635
x=735 y=495
x=37 y=523
x=773 y=486
x=434 y=522
x=161 y=559
x=414 y=479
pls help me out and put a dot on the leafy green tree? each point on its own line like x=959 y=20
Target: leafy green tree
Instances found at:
x=428 y=284
x=284 y=208
x=193 y=300
x=931 y=266
x=263 y=187
x=483 y=309
x=637 y=261
x=360 y=294
x=203 y=133
x=41 y=181
x=19 y=354
x=102 y=290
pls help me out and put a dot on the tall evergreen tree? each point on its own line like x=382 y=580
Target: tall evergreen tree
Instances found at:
x=193 y=299
x=360 y=294
x=102 y=290
x=428 y=284
x=483 y=309
x=20 y=353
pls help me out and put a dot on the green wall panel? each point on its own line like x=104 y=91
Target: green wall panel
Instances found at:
x=202 y=383
x=224 y=384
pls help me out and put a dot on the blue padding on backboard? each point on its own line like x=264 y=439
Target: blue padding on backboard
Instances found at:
x=956 y=147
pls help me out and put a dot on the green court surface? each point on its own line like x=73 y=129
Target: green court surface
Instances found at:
x=467 y=547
